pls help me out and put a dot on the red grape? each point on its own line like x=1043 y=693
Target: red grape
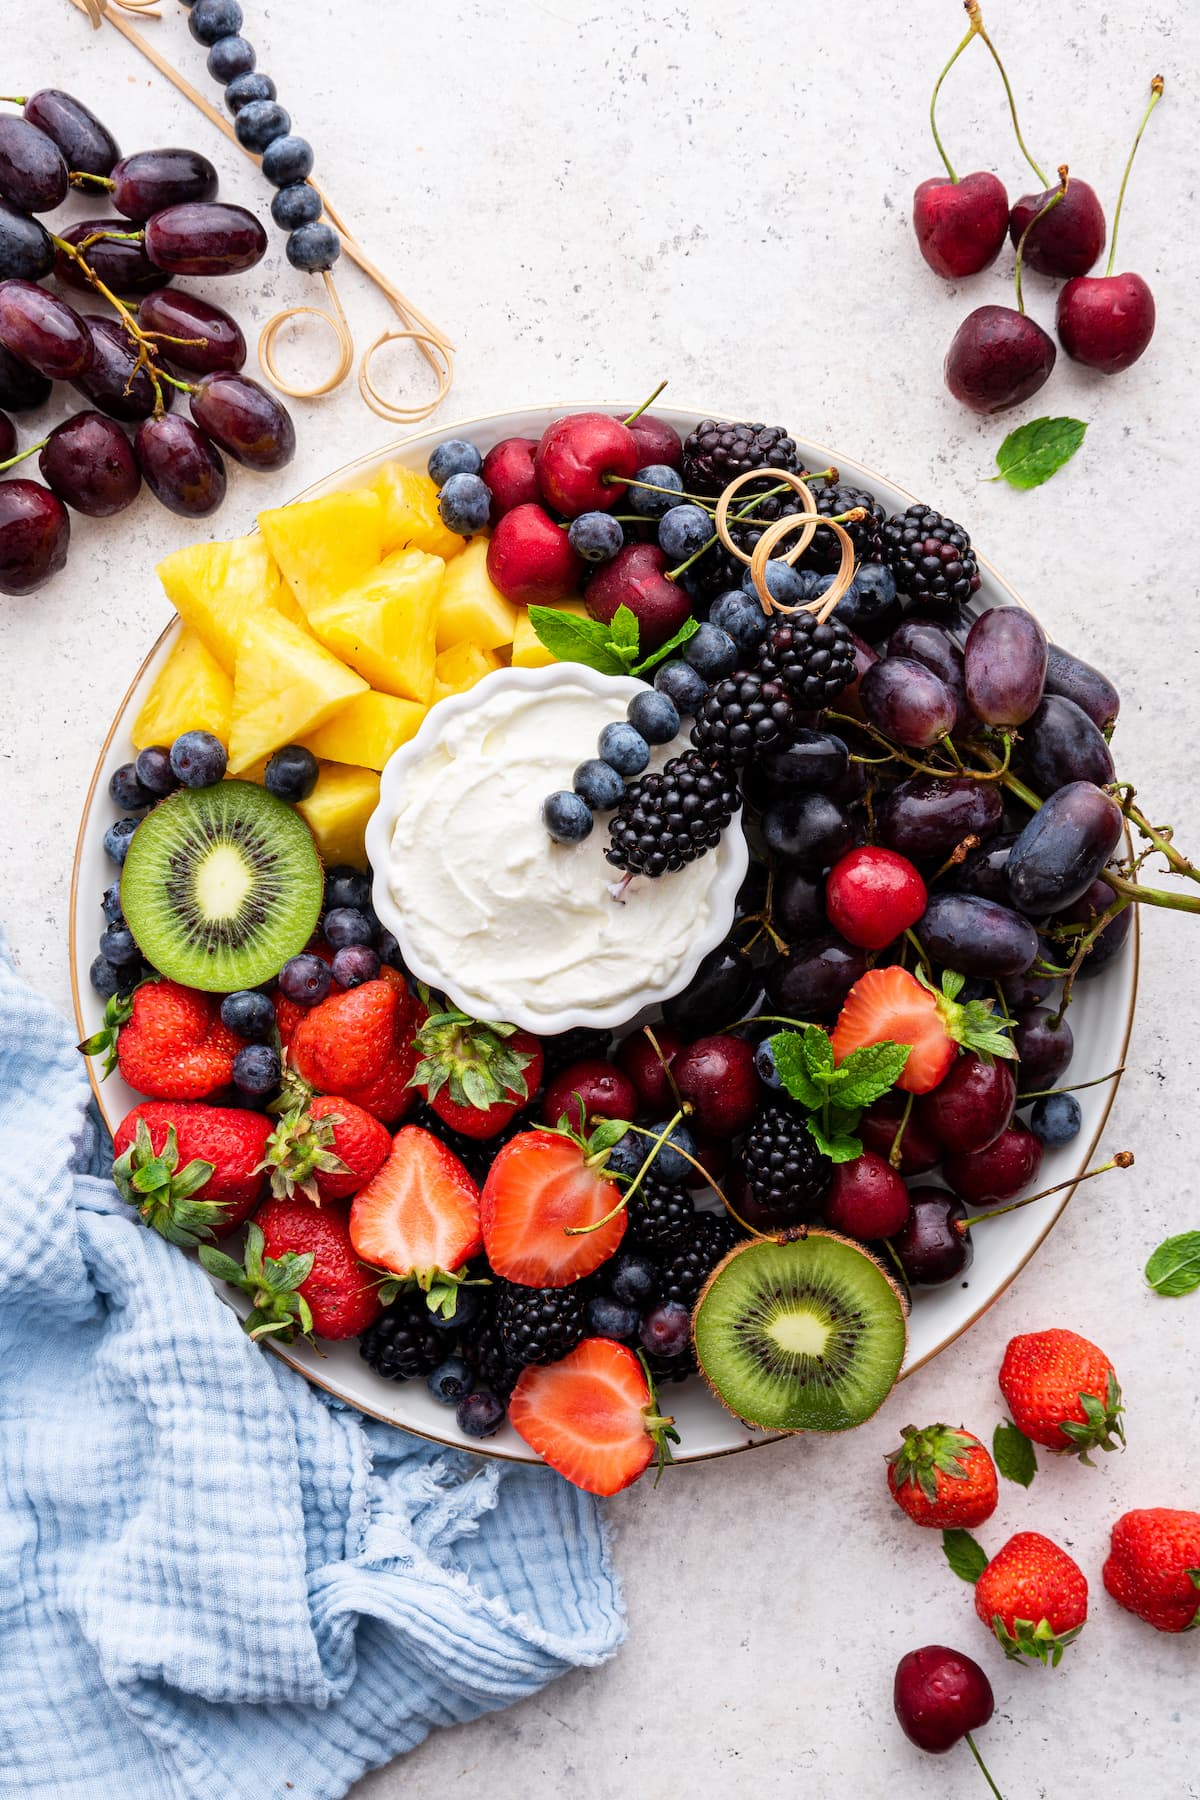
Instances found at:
x=8 y=437
x=908 y=702
x=109 y=381
x=88 y=147
x=180 y=466
x=151 y=179
x=1076 y=680
x=1061 y=744
x=1063 y=848
x=22 y=389
x=34 y=534
x=927 y=641
x=244 y=420
x=205 y=238
x=26 y=251
x=976 y=937
x=33 y=175
x=1004 y=663
x=88 y=462
x=122 y=266
x=926 y=816
x=43 y=331
x=181 y=315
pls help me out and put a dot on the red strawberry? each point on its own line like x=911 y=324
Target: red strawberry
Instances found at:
x=419 y=1214
x=540 y=1185
x=1034 y=1597
x=170 y=1042
x=1062 y=1392
x=327 y=1149
x=301 y=1272
x=357 y=1045
x=1153 y=1567
x=943 y=1478
x=891 y=1006
x=476 y=1076
x=192 y=1171
x=591 y=1416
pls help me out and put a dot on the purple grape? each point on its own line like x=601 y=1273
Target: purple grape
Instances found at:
x=109 y=381
x=89 y=462
x=809 y=759
x=1063 y=848
x=1077 y=680
x=150 y=180
x=806 y=831
x=22 y=389
x=26 y=250
x=247 y=422
x=180 y=315
x=797 y=905
x=815 y=978
x=907 y=702
x=929 y=1249
x=1004 y=665
x=1045 y=1050
x=666 y=1329
x=928 y=816
x=122 y=266
x=1061 y=744
x=1023 y=991
x=180 y=466
x=33 y=175
x=1085 y=911
x=982 y=871
x=87 y=146
x=205 y=238
x=927 y=641
x=8 y=437
x=976 y=937
x=34 y=534
x=723 y=989
x=43 y=331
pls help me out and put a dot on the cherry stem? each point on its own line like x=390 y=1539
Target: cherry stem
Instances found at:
x=639 y=410
x=635 y=1184
x=1122 y=1160
x=896 y=1154
x=713 y=1184
x=648 y=1034
x=974 y=32
x=1058 y=194
x=983 y=1768
x=1156 y=94
x=977 y=21
x=1076 y=1087
x=22 y=454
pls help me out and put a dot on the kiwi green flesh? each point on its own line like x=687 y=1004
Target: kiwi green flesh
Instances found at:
x=221 y=885
x=806 y=1335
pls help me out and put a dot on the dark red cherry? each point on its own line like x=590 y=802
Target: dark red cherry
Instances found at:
x=960 y=225
x=931 y=1248
x=1105 y=321
x=1070 y=237
x=972 y=1105
x=998 y=1172
x=940 y=1696
x=716 y=1077
x=644 y=1066
x=604 y=1091
x=997 y=358
x=34 y=534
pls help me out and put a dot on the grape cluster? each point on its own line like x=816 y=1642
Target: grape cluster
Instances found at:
x=157 y=344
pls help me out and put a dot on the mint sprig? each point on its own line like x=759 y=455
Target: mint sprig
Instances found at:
x=611 y=649
x=1174 y=1268
x=1036 y=450
x=835 y=1095
x=965 y=1554
x=1015 y=1456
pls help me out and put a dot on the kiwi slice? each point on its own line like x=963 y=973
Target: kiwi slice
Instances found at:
x=806 y=1334
x=221 y=885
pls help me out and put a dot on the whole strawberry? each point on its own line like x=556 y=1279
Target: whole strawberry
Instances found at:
x=192 y=1171
x=942 y=1477
x=1063 y=1392
x=168 y=1041
x=325 y=1150
x=301 y=1272
x=357 y=1045
x=476 y=1076
x=1153 y=1567
x=1034 y=1597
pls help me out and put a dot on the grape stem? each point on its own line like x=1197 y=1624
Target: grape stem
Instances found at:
x=1156 y=93
x=78 y=177
x=1124 y=795
x=145 y=346
x=1082 y=947
x=1056 y=197
x=1122 y=1160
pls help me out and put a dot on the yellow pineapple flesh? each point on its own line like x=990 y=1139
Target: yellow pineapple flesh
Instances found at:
x=461 y=666
x=324 y=546
x=215 y=587
x=367 y=730
x=337 y=810
x=472 y=610
x=410 y=514
x=385 y=625
x=191 y=692
x=285 y=685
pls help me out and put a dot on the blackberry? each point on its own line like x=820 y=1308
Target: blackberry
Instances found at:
x=670 y=1368
x=715 y=453
x=785 y=1170
x=402 y=1343
x=484 y=1348
x=670 y=818
x=539 y=1325
x=930 y=556
x=825 y=551
x=744 y=714
x=814 y=662
x=689 y=1264
x=476 y=1154
x=584 y=1042
x=661 y=1213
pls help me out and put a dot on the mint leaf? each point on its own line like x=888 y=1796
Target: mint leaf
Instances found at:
x=1174 y=1268
x=1015 y=1456
x=818 y=1051
x=790 y=1060
x=664 y=650
x=871 y=1071
x=570 y=639
x=1035 y=451
x=966 y=1556
x=623 y=631
x=839 y=1143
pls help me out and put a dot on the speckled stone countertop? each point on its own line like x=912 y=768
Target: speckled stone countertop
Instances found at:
x=588 y=198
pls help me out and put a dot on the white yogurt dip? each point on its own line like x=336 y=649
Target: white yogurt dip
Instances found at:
x=515 y=923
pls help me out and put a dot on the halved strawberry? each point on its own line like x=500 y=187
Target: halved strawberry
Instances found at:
x=538 y=1187
x=891 y=1006
x=419 y=1215
x=591 y=1416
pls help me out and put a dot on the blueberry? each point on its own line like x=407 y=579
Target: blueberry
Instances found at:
x=466 y=1309
x=870 y=606
x=683 y=530
x=104 y=978
x=764 y=1066
x=388 y=949
x=740 y=614
x=667 y=1160
x=1055 y=1120
x=116 y=839
x=791 y=587
x=453 y=456
x=624 y=748
x=256 y=1070
x=245 y=90
x=644 y=500
x=127 y=790
x=667 y=1329
x=314 y=247
x=654 y=715
x=465 y=504
x=230 y=56
x=346 y=886
x=609 y=1318
x=566 y=817
x=291 y=773
x=248 y=1014
x=298 y=204
x=682 y=685
x=211 y=20
x=198 y=759
x=451 y=1381
x=480 y=1415
x=154 y=771
x=346 y=925
x=627 y=1155
x=711 y=652
x=632 y=1278
x=110 y=905
x=596 y=536
x=354 y=965
x=598 y=785
x=305 y=979
x=287 y=160
x=260 y=123
x=119 y=947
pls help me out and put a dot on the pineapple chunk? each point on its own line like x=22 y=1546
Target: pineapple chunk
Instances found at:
x=323 y=546
x=191 y=693
x=461 y=666
x=213 y=587
x=286 y=684
x=410 y=514
x=528 y=650
x=337 y=810
x=385 y=625
x=366 y=730
x=472 y=611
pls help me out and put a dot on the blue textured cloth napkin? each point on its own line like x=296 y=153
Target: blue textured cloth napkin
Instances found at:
x=213 y=1584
